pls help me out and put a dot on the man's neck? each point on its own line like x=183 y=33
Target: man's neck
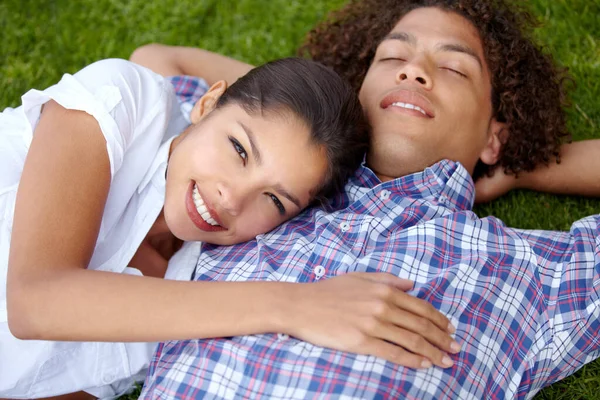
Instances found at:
x=388 y=169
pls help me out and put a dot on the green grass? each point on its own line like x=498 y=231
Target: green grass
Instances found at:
x=42 y=39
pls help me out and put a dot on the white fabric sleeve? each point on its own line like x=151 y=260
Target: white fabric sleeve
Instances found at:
x=122 y=96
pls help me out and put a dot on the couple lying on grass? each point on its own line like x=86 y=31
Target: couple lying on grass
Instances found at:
x=409 y=293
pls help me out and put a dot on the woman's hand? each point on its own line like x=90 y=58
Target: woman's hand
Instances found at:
x=370 y=313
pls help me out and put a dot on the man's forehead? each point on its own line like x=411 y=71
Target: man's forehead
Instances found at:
x=433 y=23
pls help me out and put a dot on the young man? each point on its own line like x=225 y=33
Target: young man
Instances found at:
x=525 y=303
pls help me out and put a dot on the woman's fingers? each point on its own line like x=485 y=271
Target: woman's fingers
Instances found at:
x=395 y=320
x=416 y=343
x=393 y=353
x=386 y=278
x=426 y=329
x=370 y=313
x=392 y=290
x=425 y=310
x=411 y=323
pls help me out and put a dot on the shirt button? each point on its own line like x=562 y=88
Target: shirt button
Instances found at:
x=384 y=195
x=345 y=227
x=319 y=271
x=282 y=336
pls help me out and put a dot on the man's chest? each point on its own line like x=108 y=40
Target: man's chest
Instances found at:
x=331 y=245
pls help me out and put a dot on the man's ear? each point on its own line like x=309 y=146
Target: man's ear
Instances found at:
x=207 y=102
x=497 y=136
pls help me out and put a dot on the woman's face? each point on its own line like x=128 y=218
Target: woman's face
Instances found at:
x=233 y=175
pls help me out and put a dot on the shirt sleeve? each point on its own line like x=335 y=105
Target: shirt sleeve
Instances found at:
x=579 y=247
x=569 y=270
x=123 y=97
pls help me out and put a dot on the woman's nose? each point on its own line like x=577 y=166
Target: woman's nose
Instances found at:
x=231 y=197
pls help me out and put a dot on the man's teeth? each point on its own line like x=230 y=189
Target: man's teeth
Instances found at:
x=410 y=107
x=202 y=210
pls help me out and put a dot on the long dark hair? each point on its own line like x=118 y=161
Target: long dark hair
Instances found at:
x=319 y=97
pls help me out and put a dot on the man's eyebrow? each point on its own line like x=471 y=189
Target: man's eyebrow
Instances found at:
x=460 y=48
x=452 y=47
x=402 y=36
x=282 y=191
x=251 y=137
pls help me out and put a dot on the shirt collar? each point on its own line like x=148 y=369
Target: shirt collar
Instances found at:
x=158 y=169
x=446 y=181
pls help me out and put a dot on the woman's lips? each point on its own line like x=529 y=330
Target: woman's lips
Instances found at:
x=196 y=217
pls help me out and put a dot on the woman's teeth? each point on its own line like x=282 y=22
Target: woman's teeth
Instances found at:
x=201 y=208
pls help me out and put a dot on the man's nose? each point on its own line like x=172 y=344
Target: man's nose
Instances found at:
x=415 y=71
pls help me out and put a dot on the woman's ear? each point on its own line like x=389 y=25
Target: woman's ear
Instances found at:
x=498 y=134
x=207 y=102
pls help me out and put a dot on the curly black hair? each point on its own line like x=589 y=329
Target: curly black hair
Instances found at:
x=528 y=88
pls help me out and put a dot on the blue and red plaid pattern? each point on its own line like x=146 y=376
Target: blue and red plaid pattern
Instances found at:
x=189 y=89
x=525 y=303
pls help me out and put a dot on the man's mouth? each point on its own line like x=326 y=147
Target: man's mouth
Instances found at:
x=201 y=214
x=412 y=101
x=409 y=107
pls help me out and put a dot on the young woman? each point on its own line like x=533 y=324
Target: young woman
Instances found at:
x=100 y=181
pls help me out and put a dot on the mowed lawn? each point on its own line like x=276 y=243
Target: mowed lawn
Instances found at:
x=42 y=39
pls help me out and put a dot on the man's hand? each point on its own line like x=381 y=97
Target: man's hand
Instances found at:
x=488 y=188
x=177 y=60
x=578 y=173
x=370 y=313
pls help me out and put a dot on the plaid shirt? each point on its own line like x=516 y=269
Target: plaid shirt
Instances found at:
x=525 y=303
x=188 y=89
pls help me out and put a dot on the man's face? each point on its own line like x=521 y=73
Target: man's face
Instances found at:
x=427 y=95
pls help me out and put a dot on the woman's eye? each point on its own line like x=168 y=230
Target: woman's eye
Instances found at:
x=277 y=203
x=239 y=149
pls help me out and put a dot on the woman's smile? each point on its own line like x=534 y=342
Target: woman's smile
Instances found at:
x=205 y=218
x=247 y=182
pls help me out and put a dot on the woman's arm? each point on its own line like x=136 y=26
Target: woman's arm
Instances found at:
x=177 y=60
x=577 y=174
x=52 y=296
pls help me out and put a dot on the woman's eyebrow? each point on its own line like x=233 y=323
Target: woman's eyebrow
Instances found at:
x=253 y=146
x=282 y=191
x=257 y=157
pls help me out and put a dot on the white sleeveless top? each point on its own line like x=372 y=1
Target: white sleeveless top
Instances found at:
x=138 y=114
